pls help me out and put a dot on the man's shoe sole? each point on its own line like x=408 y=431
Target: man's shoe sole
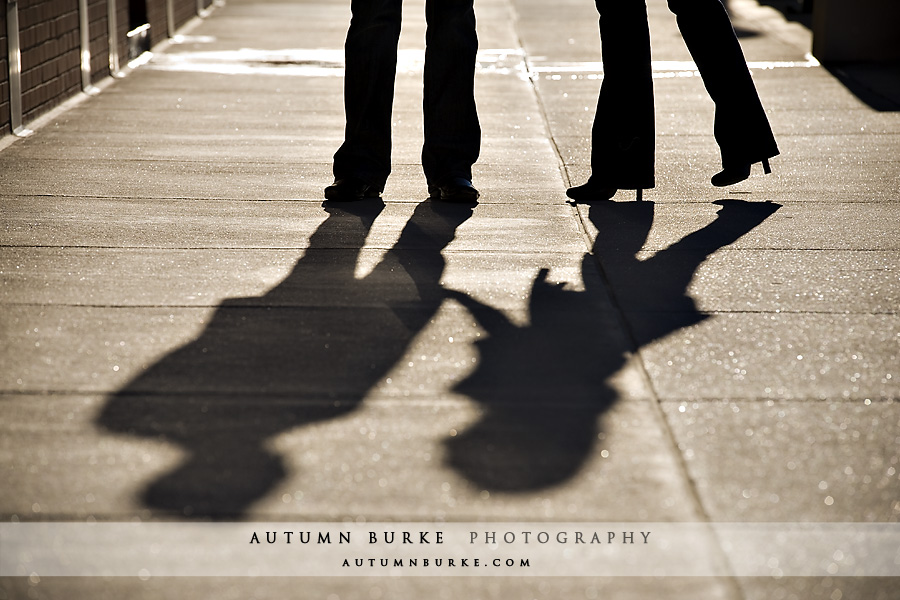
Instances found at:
x=459 y=195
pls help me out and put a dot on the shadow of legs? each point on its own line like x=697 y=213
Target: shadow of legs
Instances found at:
x=307 y=351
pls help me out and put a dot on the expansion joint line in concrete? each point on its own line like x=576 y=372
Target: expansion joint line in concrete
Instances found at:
x=735 y=589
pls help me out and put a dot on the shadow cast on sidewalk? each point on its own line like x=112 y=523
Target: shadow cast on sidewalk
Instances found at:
x=310 y=350
x=307 y=351
x=876 y=84
x=526 y=440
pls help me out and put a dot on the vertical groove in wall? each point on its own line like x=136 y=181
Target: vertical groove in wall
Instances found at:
x=122 y=30
x=14 y=62
x=84 y=36
x=112 y=36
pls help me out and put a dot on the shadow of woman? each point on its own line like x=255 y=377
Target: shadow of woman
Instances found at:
x=307 y=351
x=543 y=386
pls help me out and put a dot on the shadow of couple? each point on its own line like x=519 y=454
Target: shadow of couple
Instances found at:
x=313 y=347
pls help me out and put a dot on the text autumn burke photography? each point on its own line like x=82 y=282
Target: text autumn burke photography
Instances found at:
x=437 y=537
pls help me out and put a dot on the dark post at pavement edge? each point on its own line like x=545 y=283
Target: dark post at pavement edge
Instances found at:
x=856 y=30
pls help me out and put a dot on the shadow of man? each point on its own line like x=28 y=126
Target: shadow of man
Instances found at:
x=307 y=351
x=543 y=386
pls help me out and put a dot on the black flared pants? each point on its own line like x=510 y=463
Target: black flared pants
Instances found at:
x=622 y=150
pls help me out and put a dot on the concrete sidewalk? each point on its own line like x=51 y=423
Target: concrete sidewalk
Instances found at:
x=188 y=333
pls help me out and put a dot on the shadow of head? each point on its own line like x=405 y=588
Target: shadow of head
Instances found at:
x=524 y=448
x=540 y=386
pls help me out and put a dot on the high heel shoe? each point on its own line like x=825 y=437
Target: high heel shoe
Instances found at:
x=590 y=191
x=736 y=173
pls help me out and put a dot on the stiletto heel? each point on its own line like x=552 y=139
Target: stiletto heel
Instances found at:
x=639 y=194
x=766 y=168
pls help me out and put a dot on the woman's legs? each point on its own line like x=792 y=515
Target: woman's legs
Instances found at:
x=741 y=127
x=622 y=138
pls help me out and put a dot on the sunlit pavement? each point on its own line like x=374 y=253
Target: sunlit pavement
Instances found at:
x=189 y=334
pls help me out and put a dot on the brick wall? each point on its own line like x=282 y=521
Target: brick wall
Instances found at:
x=156 y=16
x=184 y=12
x=50 y=40
x=50 y=43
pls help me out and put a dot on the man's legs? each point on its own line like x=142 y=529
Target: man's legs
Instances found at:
x=452 y=131
x=371 y=64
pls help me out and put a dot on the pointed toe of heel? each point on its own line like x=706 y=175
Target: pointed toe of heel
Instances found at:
x=590 y=192
x=730 y=176
x=733 y=174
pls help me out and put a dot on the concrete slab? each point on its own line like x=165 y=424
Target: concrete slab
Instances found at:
x=182 y=179
x=811 y=587
x=765 y=33
x=89 y=348
x=782 y=355
x=386 y=469
x=244 y=181
x=315 y=277
x=760 y=281
x=684 y=93
x=833 y=461
x=293 y=341
x=232 y=111
x=123 y=148
x=807 y=225
x=506 y=143
x=538 y=227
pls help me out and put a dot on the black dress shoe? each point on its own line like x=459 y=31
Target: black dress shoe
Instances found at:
x=456 y=189
x=590 y=191
x=350 y=188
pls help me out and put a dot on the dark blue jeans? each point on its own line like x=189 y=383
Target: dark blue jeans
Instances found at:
x=452 y=131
